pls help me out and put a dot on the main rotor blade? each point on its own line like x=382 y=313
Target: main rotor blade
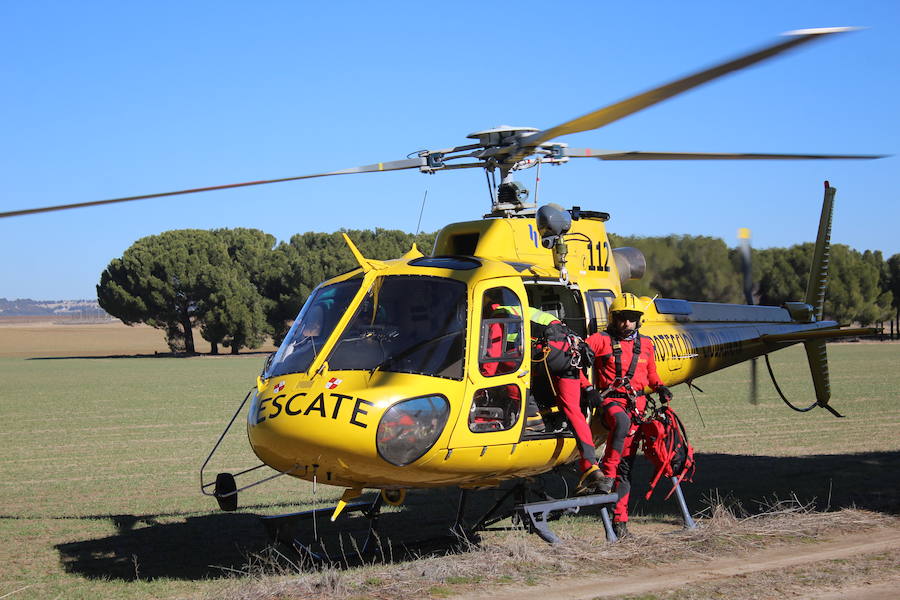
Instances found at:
x=410 y=163
x=614 y=112
x=638 y=155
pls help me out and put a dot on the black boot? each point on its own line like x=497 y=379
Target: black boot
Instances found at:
x=604 y=485
x=621 y=529
x=593 y=482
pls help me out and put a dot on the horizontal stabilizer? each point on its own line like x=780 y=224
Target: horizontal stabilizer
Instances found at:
x=816 y=334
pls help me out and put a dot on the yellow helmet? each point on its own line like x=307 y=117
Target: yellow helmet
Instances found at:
x=627 y=302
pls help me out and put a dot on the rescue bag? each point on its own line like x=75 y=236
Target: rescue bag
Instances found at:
x=666 y=445
x=564 y=351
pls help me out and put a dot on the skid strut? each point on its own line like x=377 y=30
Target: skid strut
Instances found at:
x=685 y=513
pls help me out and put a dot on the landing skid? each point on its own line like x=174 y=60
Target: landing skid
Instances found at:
x=534 y=514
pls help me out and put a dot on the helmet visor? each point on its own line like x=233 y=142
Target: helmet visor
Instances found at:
x=628 y=315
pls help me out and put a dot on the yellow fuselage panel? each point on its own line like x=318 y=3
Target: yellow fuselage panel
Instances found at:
x=329 y=424
x=589 y=260
x=309 y=430
x=323 y=424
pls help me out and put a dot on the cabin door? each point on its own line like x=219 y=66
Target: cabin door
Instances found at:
x=498 y=363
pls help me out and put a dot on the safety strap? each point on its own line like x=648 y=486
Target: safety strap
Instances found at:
x=617 y=356
x=625 y=381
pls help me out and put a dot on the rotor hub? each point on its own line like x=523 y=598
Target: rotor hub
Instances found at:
x=500 y=136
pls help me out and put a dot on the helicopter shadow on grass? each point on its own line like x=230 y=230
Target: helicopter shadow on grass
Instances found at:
x=218 y=544
x=869 y=481
x=200 y=547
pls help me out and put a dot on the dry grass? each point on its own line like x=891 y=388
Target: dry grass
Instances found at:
x=68 y=337
x=518 y=558
x=44 y=338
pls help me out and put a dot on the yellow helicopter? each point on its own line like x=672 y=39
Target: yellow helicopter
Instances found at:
x=381 y=383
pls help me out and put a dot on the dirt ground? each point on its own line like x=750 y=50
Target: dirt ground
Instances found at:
x=861 y=566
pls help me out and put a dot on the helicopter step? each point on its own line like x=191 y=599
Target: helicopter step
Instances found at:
x=535 y=515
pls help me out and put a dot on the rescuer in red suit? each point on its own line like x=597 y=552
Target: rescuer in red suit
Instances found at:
x=567 y=385
x=625 y=370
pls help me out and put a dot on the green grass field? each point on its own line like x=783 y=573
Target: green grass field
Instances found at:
x=99 y=481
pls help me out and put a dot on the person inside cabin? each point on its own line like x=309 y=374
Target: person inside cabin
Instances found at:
x=307 y=337
x=566 y=384
x=625 y=371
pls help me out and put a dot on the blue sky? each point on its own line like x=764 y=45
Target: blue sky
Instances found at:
x=109 y=99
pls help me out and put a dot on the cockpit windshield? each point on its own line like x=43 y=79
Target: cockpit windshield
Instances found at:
x=406 y=324
x=312 y=327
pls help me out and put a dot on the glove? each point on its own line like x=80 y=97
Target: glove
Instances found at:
x=590 y=397
x=665 y=394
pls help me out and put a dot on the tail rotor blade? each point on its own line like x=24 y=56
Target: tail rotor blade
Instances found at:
x=746 y=265
x=754 y=388
x=747 y=272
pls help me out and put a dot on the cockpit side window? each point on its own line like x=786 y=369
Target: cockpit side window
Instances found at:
x=501 y=346
x=312 y=327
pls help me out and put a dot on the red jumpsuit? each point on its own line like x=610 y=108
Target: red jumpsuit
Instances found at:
x=622 y=442
x=567 y=387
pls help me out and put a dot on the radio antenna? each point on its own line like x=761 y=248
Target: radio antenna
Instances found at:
x=421 y=210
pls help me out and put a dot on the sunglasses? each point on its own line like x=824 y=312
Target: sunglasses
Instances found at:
x=627 y=315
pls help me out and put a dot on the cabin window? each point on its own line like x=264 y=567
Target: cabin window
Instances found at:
x=495 y=408
x=501 y=345
x=560 y=301
x=406 y=324
x=457 y=263
x=464 y=244
x=598 y=307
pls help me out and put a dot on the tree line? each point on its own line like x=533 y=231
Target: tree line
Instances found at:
x=236 y=287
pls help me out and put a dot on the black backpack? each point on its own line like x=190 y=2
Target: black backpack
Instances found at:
x=564 y=351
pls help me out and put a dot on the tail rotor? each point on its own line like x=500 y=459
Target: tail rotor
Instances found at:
x=746 y=270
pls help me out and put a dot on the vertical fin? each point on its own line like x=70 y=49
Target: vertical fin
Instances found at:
x=818 y=272
x=816 y=352
x=817 y=356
